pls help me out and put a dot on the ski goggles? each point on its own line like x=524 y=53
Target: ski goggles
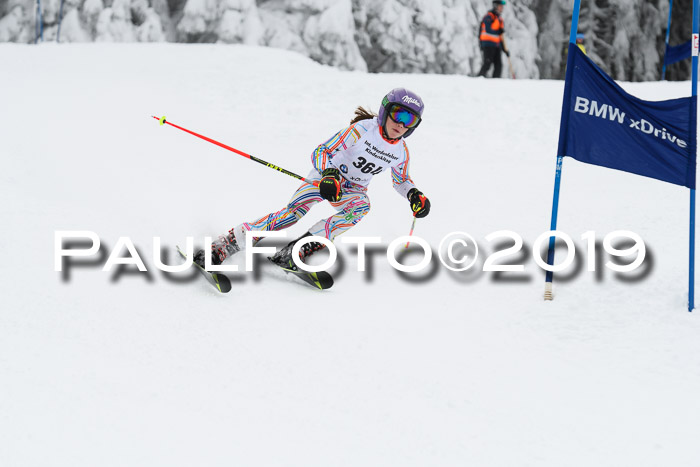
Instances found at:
x=404 y=116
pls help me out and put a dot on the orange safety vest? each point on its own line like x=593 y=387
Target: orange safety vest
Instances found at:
x=496 y=25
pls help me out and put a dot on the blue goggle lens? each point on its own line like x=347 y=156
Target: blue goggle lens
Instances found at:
x=407 y=118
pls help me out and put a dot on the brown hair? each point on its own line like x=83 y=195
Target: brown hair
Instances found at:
x=362 y=114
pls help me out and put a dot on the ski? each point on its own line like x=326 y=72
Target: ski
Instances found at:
x=320 y=280
x=218 y=280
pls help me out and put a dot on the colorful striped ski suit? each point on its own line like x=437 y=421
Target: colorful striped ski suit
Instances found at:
x=359 y=152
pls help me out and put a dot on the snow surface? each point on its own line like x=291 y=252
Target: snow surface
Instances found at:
x=453 y=369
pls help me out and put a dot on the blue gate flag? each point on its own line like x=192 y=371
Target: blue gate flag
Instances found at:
x=603 y=125
x=676 y=53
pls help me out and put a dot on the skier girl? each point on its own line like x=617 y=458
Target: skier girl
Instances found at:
x=344 y=165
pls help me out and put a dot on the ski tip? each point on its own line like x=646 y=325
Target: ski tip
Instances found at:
x=321 y=280
x=222 y=283
x=179 y=250
x=326 y=281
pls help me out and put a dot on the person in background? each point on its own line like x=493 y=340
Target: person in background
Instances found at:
x=579 y=42
x=491 y=39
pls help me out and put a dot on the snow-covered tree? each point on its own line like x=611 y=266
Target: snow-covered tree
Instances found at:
x=624 y=37
x=320 y=29
x=681 y=30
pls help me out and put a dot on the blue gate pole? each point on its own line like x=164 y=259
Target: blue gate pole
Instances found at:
x=557 y=176
x=668 y=32
x=39 y=24
x=691 y=255
x=693 y=118
x=36 y=22
x=60 y=18
x=553 y=226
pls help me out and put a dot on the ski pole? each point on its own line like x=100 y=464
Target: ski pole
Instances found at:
x=162 y=121
x=510 y=64
x=413 y=226
x=510 y=67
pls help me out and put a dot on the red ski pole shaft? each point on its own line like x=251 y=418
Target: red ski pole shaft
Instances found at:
x=240 y=153
x=413 y=226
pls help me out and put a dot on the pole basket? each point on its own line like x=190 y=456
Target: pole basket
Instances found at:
x=548 y=295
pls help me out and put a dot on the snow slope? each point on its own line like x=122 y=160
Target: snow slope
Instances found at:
x=450 y=369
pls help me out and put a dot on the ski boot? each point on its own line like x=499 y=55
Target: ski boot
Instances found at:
x=221 y=248
x=283 y=258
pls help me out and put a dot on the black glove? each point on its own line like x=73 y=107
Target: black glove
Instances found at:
x=330 y=185
x=506 y=52
x=419 y=203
